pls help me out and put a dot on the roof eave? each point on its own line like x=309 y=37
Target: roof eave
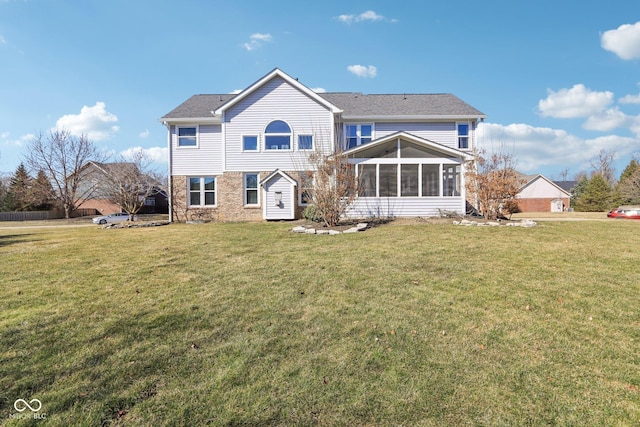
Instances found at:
x=432 y=117
x=190 y=120
x=439 y=147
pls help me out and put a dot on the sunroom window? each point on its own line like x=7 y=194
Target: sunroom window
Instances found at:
x=277 y=136
x=451 y=180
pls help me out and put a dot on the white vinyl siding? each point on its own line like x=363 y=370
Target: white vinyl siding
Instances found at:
x=442 y=133
x=365 y=207
x=275 y=100
x=280 y=199
x=206 y=159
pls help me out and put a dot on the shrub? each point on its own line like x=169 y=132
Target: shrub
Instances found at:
x=311 y=213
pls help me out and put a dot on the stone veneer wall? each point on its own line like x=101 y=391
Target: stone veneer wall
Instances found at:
x=229 y=200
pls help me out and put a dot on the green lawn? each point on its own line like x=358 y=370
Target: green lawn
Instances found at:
x=249 y=324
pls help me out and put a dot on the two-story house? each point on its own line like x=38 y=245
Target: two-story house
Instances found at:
x=241 y=156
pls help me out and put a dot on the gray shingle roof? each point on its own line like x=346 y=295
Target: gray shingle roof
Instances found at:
x=198 y=106
x=352 y=103
x=439 y=104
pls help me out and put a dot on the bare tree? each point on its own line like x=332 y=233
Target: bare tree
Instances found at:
x=129 y=182
x=603 y=165
x=61 y=156
x=494 y=182
x=330 y=185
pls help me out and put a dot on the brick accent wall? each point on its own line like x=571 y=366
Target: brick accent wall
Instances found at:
x=229 y=200
x=539 y=205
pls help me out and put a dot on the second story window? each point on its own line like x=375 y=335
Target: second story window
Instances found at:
x=277 y=136
x=249 y=143
x=358 y=134
x=463 y=135
x=187 y=136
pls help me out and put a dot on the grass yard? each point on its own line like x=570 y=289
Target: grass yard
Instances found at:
x=248 y=324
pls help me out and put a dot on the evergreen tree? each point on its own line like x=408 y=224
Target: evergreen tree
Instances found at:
x=596 y=196
x=629 y=185
x=42 y=193
x=18 y=196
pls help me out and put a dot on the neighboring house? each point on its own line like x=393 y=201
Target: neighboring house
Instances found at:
x=241 y=156
x=539 y=194
x=99 y=199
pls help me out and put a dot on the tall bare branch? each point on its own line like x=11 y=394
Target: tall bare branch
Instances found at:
x=61 y=156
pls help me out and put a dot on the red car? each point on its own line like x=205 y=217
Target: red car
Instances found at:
x=624 y=213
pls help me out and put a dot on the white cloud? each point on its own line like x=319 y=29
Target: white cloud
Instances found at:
x=3 y=40
x=256 y=40
x=630 y=99
x=235 y=91
x=144 y=134
x=623 y=41
x=608 y=120
x=95 y=122
x=318 y=89
x=363 y=71
x=20 y=142
x=537 y=147
x=369 y=15
x=155 y=154
x=575 y=102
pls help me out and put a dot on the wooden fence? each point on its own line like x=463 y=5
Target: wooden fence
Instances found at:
x=43 y=215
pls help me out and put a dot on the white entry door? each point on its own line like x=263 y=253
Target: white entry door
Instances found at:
x=556 y=205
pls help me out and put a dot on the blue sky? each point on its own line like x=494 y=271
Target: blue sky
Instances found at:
x=558 y=81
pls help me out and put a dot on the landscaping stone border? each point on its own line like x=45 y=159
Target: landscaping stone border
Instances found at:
x=361 y=226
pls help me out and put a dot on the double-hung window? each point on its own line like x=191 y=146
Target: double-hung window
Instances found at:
x=463 y=135
x=187 y=136
x=358 y=134
x=251 y=189
x=202 y=191
x=277 y=136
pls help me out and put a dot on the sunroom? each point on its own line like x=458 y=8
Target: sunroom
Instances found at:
x=402 y=175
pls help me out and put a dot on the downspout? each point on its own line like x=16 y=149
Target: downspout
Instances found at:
x=169 y=187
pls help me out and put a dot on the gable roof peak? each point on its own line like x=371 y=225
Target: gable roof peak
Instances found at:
x=276 y=72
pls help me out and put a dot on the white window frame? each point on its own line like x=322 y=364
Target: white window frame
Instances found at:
x=245 y=189
x=203 y=191
x=289 y=134
x=358 y=133
x=313 y=142
x=467 y=136
x=257 y=137
x=197 y=137
x=302 y=188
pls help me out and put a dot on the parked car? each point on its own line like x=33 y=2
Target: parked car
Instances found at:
x=113 y=218
x=624 y=213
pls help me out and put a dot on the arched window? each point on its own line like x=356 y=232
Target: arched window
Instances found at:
x=277 y=136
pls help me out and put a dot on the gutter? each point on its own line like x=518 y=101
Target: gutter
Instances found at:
x=169 y=188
